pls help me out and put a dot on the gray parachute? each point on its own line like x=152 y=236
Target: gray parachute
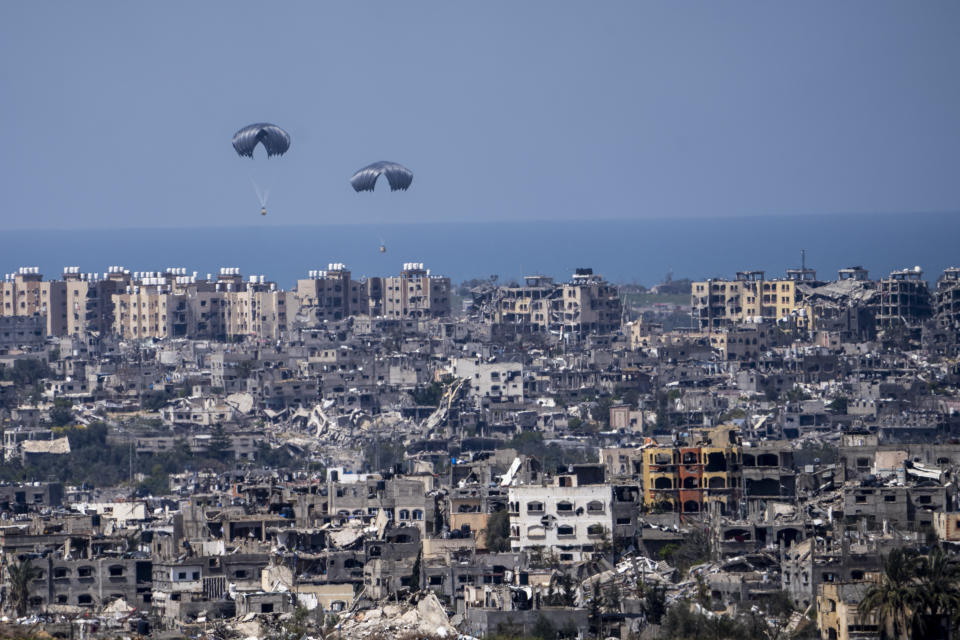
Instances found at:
x=274 y=139
x=398 y=176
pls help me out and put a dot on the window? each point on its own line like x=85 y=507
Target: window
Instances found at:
x=534 y=507
x=565 y=530
x=565 y=507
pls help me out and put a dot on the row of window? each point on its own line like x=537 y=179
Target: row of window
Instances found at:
x=402 y=514
x=85 y=571
x=563 y=531
x=565 y=507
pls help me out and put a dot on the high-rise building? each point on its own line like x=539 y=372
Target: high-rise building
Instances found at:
x=750 y=298
x=330 y=294
x=416 y=294
x=904 y=299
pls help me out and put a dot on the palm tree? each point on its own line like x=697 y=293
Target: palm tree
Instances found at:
x=20 y=575
x=938 y=587
x=896 y=598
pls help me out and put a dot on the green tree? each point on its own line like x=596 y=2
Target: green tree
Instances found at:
x=895 y=599
x=26 y=372
x=653 y=602
x=595 y=609
x=938 y=589
x=613 y=597
x=703 y=593
x=220 y=447
x=61 y=414
x=20 y=575
x=669 y=551
x=682 y=621
x=564 y=590
x=497 y=535
x=428 y=396
x=296 y=627
x=416 y=571
x=838 y=406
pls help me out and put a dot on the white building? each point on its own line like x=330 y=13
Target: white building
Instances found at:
x=496 y=381
x=570 y=520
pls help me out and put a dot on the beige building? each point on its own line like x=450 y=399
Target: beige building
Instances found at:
x=261 y=313
x=947 y=298
x=837 y=614
x=904 y=299
x=741 y=341
x=21 y=292
x=415 y=294
x=173 y=305
x=330 y=294
x=89 y=298
x=533 y=304
x=622 y=461
x=590 y=304
x=149 y=310
x=586 y=304
x=749 y=298
x=947 y=525
x=24 y=293
x=642 y=335
x=78 y=303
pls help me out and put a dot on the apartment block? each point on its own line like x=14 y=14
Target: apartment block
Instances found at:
x=687 y=478
x=749 y=298
x=416 y=294
x=904 y=299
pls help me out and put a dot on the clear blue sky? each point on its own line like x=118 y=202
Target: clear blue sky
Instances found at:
x=121 y=114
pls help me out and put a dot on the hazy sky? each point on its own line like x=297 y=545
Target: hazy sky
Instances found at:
x=122 y=113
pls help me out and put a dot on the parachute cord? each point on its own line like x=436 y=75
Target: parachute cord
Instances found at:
x=260 y=197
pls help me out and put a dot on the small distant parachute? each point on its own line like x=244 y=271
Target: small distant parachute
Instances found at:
x=398 y=176
x=274 y=139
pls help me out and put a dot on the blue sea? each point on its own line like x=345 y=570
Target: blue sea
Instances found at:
x=624 y=251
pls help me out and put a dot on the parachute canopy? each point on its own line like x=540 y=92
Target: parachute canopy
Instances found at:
x=274 y=139
x=398 y=176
